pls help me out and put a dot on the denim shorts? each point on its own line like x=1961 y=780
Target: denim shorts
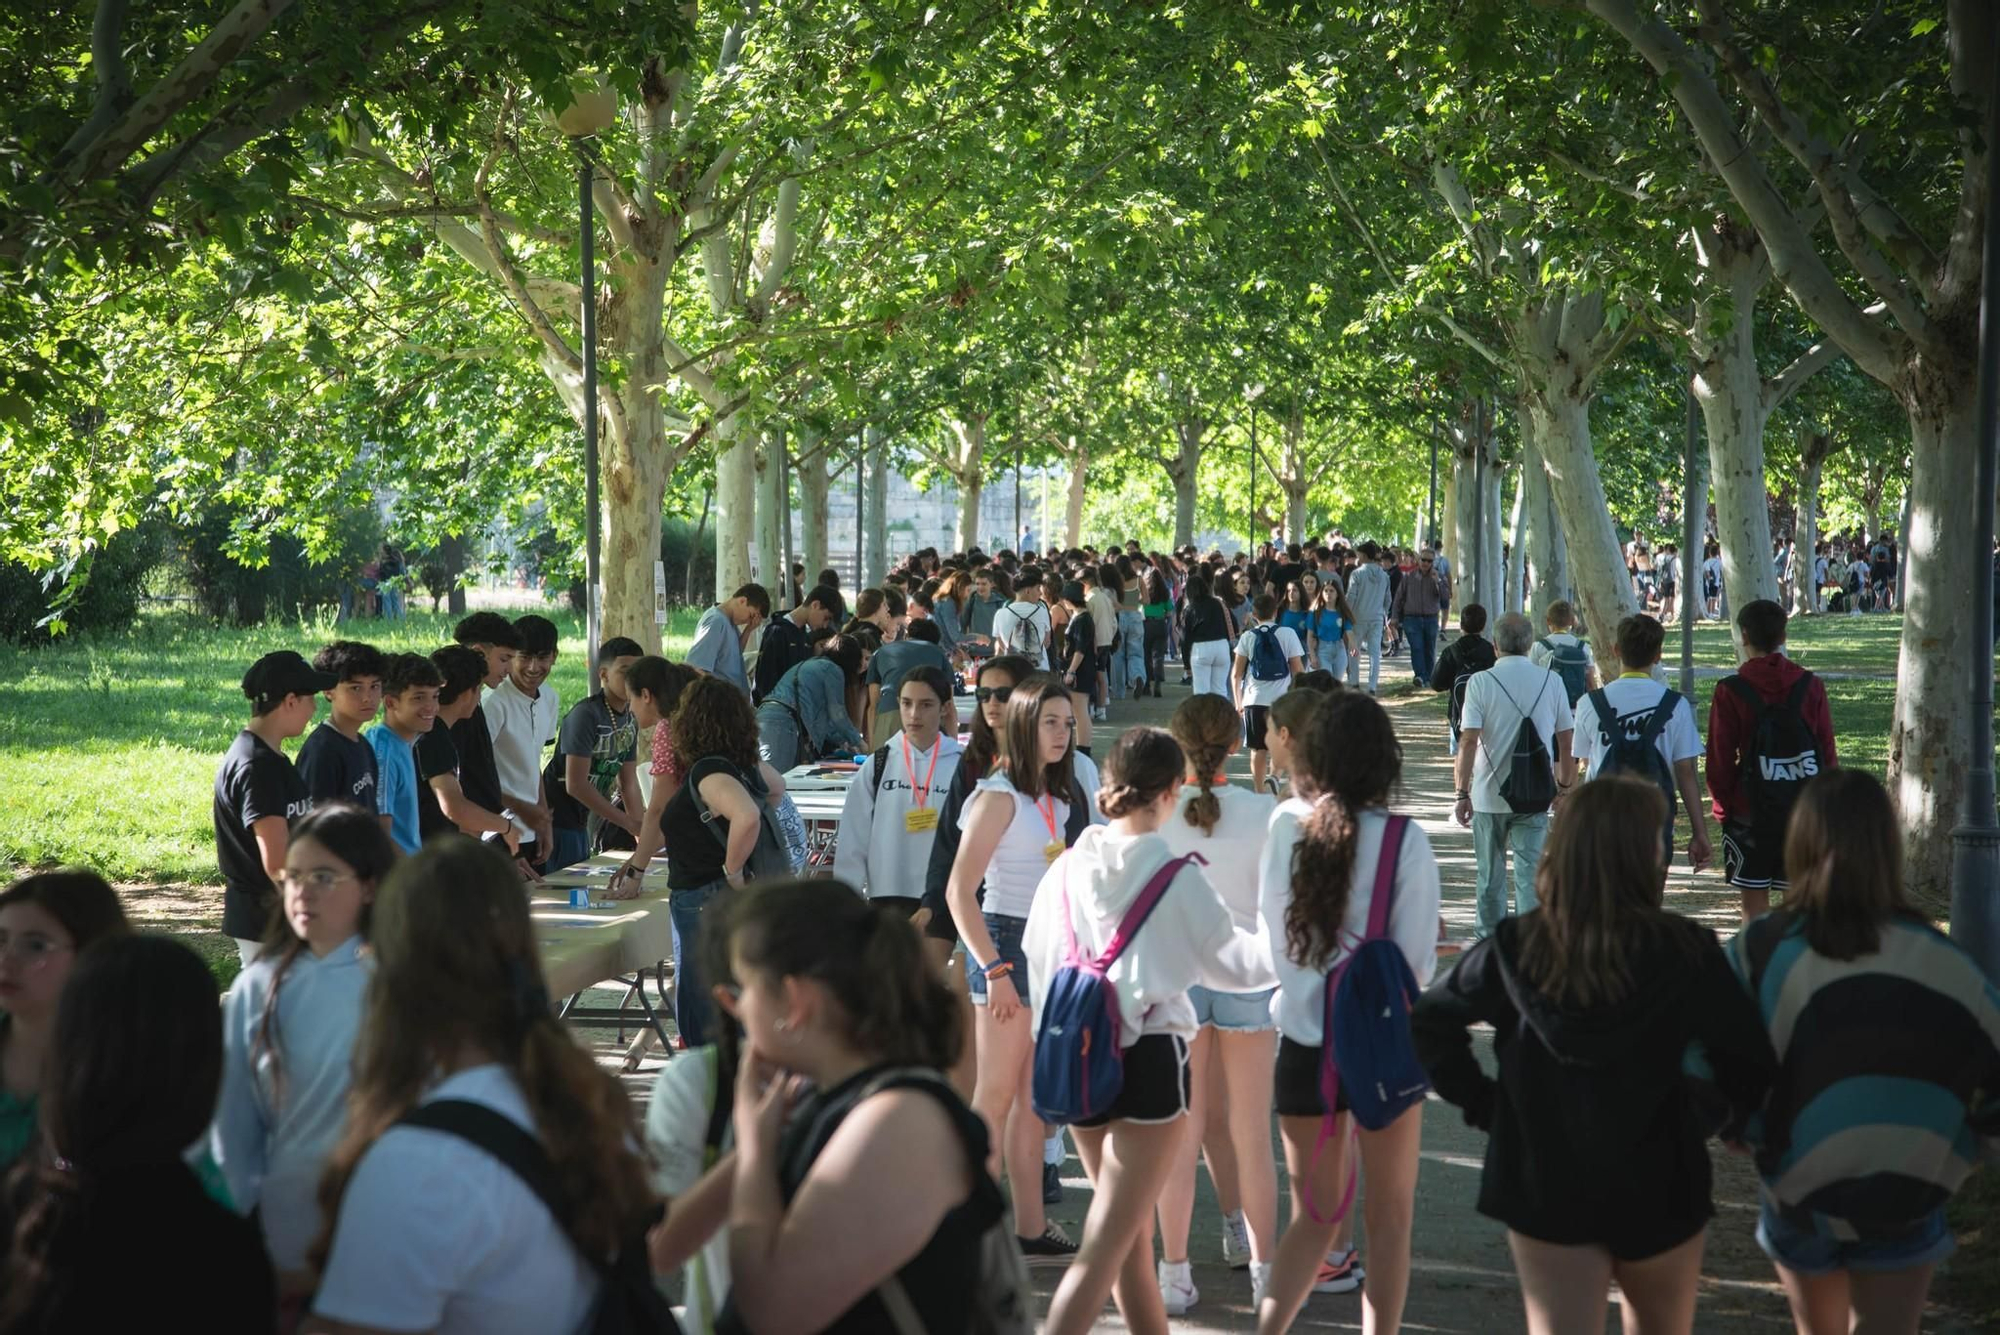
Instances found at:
x=1006 y=933
x=1806 y=1252
x=1237 y=1012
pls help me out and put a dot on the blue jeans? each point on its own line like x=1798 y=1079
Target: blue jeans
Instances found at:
x=1808 y=1252
x=1422 y=632
x=693 y=1008
x=1495 y=835
x=568 y=848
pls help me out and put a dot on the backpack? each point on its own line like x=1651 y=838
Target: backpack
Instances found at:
x=1001 y=1301
x=1571 y=662
x=1782 y=754
x=1079 y=1052
x=771 y=856
x=1528 y=784
x=627 y=1301
x=1267 y=656
x=1027 y=639
x=1625 y=754
x=1365 y=1027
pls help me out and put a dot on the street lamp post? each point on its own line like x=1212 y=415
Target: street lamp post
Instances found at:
x=588 y=115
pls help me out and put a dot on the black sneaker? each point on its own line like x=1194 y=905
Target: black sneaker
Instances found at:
x=1052 y=1191
x=1052 y=1248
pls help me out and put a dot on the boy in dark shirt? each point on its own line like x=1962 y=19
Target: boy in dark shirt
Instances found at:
x=335 y=764
x=596 y=761
x=258 y=793
x=442 y=806
x=495 y=639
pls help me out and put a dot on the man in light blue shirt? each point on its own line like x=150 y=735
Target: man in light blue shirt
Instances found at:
x=720 y=635
x=1368 y=597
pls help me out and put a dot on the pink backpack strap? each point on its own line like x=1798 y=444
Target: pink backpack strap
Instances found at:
x=1142 y=908
x=1383 y=896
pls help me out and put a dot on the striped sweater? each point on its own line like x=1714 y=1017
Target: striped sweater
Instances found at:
x=1888 y=1087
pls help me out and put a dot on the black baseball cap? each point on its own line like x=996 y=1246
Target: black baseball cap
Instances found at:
x=277 y=675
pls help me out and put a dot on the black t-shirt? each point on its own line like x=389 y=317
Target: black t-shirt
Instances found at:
x=436 y=755
x=1081 y=635
x=335 y=768
x=254 y=781
x=478 y=771
x=697 y=846
x=785 y=645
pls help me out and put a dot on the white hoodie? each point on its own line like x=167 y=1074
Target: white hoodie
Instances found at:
x=1189 y=938
x=878 y=853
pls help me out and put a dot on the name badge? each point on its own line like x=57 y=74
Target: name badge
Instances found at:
x=1053 y=851
x=920 y=820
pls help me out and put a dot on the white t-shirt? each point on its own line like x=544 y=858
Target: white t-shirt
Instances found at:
x=878 y=853
x=435 y=1234
x=1020 y=859
x=1413 y=918
x=1633 y=700
x=1189 y=937
x=1232 y=850
x=1257 y=692
x=1007 y=624
x=676 y=1126
x=1495 y=702
x=520 y=728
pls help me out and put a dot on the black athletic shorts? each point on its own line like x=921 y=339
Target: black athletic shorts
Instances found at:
x=1156 y=1083
x=1256 y=722
x=1295 y=1088
x=1752 y=859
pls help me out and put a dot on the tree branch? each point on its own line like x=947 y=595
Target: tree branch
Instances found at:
x=1465 y=336
x=503 y=259
x=114 y=79
x=1803 y=368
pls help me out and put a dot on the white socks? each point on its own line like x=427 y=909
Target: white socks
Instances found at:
x=1052 y=1148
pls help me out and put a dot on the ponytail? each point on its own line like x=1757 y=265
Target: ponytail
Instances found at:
x=1205 y=726
x=1354 y=762
x=1322 y=874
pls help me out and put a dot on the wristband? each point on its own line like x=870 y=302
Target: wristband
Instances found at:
x=997 y=969
x=1463 y=794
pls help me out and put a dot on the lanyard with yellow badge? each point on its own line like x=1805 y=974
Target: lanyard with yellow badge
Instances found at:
x=921 y=818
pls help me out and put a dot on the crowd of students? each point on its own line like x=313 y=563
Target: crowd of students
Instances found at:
x=1023 y=940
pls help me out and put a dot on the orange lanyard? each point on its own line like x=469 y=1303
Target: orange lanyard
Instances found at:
x=1047 y=806
x=922 y=791
x=1220 y=779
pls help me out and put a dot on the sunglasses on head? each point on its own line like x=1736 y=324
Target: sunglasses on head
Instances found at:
x=984 y=693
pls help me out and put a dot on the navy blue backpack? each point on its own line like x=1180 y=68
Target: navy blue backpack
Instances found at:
x=1365 y=1044
x=1080 y=1050
x=1267 y=658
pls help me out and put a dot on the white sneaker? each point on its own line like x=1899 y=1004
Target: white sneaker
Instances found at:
x=1177 y=1288
x=1235 y=1241
x=1260 y=1283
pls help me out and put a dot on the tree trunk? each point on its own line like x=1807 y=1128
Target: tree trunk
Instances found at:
x=451 y=555
x=1185 y=470
x=1562 y=429
x=1730 y=389
x=1813 y=454
x=1447 y=538
x=813 y=489
x=877 y=563
x=1930 y=746
x=967 y=467
x=1079 y=462
x=771 y=512
x=1517 y=545
x=735 y=503
x=1548 y=555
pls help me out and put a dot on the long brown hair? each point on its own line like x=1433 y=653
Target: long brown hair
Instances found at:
x=984 y=749
x=1351 y=752
x=1205 y=725
x=1600 y=884
x=1144 y=764
x=457 y=970
x=1024 y=739
x=714 y=719
x=1844 y=863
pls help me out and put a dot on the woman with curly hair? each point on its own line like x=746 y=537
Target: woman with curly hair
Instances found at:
x=1316 y=886
x=428 y=1230
x=715 y=736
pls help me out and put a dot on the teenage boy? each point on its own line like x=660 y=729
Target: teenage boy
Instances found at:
x=724 y=629
x=788 y=640
x=521 y=714
x=1267 y=656
x=1769 y=731
x=1368 y=596
x=335 y=764
x=1639 y=705
x=409 y=708
x=442 y=806
x=986 y=601
x=891 y=817
x=1470 y=653
x=922 y=646
x=1564 y=654
x=495 y=640
x=1080 y=669
x=597 y=755
x=1023 y=626
x=258 y=792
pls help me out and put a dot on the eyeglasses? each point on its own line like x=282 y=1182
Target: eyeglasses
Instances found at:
x=319 y=880
x=998 y=693
x=33 y=948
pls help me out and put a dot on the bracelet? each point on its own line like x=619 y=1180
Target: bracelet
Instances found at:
x=997 y=969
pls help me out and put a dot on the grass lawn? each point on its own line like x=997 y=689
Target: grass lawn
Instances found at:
x=108 y=744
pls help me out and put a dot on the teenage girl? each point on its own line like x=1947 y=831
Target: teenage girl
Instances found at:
x=656 y=687
x=1332 y=630
x=1226 y=825
x=1131 y=652
x=1132 y=1147
x=1595 y=999
x=1012 y=831
x=428 y=1231
x=1315 y=886
x=824 y=1212
x=1205 y=636
x=1157 y=609
x=289 y=1025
